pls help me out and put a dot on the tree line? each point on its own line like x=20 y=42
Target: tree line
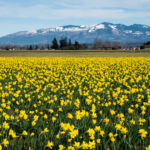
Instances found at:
x=25 y=47
x=63 y=44
x=146 y=43
x=99 y=44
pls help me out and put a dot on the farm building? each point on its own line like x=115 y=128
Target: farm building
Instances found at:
x=146 y=46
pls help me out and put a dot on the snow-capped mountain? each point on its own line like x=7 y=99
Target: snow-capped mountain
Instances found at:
x=82 y=33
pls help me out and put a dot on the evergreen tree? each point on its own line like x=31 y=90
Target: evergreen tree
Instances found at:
x=63 y=42
x=147 y=43
x=142 y=47
x=48 y=46
x=54 y=44
x=76 y=45
x=83 y=46
x=36 y=47
x=30 y=48
x=69 y=42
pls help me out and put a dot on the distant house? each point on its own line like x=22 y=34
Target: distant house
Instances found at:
x=146 y=46
x=138 y=48
x=132 y=48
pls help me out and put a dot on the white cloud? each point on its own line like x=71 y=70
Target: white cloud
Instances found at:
x=87 y=9
x=128 y=4
x=35 y=14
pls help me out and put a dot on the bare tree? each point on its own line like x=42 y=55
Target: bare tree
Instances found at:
x=83 y=46
x=97 y=43
x=107 y=44
x=100 y=43
x=124 y=45
x=115 y=44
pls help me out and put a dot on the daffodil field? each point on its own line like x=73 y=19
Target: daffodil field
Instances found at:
x=75 y=103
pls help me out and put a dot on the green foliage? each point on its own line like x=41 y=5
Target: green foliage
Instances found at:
x=30 y=48
x=69 y=48
x=77 y=46
x=69 y=44
x=54 y=44
x=142 y=47
x=147 y=43
x=63 y=42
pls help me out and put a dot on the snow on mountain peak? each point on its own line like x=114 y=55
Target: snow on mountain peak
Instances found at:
x=82 y=26
x=100 y=26
x=145 y=26
x=105 y=30
x=112 y=26
x=74 y=29
x=137 y=32
x=59 y=28
x=148 y=32
x=89 y=28
x=31 y=32
x=95 y=27
x=52 y=29
x=92 y=29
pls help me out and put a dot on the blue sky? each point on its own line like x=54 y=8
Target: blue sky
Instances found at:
x=24 y=15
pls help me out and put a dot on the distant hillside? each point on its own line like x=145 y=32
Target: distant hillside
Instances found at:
x=83 y=34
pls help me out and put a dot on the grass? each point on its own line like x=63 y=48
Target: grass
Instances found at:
x=77 y=53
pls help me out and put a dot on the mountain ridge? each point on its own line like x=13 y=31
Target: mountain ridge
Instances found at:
x=81 y=33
